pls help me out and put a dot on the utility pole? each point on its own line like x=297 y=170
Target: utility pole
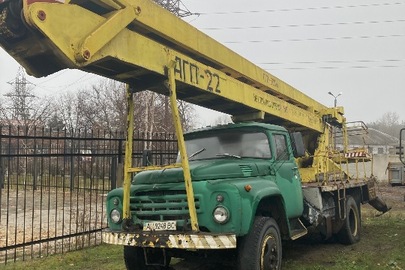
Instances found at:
x=335 y=97
x=175 y=6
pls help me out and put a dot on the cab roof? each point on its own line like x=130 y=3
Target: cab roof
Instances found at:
x=244 y=125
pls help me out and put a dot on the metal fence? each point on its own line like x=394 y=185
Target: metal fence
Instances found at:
x=53 y=185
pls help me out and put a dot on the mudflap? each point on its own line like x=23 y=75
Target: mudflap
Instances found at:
x=379 y=205
x=374 y=201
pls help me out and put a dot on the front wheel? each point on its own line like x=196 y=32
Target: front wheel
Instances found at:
x=261 y=248
x=134 y=258
x=350 y=231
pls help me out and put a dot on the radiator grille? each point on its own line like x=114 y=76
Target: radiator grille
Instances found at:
x=162 y=205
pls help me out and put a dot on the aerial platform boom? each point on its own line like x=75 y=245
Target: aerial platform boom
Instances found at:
x=133 y=41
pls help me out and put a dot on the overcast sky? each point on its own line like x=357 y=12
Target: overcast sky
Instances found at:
x=353 y=47
x=317 y=46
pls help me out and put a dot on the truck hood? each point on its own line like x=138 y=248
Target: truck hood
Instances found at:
x=206 y=170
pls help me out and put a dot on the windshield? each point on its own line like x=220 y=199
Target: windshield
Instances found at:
x=228 y=144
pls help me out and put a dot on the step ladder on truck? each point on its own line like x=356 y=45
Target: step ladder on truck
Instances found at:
x=240 y=188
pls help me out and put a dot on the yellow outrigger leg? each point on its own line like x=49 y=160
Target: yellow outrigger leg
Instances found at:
x=128 y=154
x=182 y=146
x=128 y=170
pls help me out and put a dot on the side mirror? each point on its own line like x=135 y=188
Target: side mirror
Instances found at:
x=147 y=158
x=400 y=149
x=297 y=144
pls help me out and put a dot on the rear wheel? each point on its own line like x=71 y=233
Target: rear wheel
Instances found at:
x=350 y=231
x=261 y=248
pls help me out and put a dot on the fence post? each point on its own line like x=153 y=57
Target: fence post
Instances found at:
x=72 y=164
x=1 y=173
x=120 y=166
x=35 y=173
x=1 y=163
x=113 y=173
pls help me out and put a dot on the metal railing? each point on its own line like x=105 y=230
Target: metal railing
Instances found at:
x=53 y=185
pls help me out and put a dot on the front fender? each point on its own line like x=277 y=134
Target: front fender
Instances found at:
x=250 y=199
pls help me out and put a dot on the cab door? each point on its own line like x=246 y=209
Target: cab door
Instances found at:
x=287 y=175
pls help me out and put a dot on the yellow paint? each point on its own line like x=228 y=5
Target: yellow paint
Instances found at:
x=129 y=47
x=178 y=241
x=182 y=146
x=102 y=34
x=128 y=154
x=152 y=168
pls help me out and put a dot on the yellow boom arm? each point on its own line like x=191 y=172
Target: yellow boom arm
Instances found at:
x=133 y=40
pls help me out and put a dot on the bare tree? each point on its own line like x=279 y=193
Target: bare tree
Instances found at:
x=388 y=123
x=154 y=115
x=103 y=106
x=222 y=120
x=67 y=109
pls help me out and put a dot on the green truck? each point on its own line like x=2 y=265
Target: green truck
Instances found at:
x=248 y=196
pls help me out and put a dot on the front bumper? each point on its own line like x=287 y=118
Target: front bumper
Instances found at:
x=170 y=240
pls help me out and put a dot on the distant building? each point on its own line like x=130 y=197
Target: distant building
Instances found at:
x=377 y=142
x=380 y=145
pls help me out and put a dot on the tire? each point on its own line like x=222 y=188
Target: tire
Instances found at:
x=135 y=259
x=350 y=231
x=261 y=248
x=15 y=8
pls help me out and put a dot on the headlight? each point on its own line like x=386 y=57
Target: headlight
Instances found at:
x=221 y=214
x=115 y=216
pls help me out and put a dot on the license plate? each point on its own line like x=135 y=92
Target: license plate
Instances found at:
x=160 y=226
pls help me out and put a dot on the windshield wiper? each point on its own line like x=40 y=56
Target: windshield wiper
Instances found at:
x=227 y=155
x=196 y=153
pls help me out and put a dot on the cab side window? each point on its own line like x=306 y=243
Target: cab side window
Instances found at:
x=281 y=147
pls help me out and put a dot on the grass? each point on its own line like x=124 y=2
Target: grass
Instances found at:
x=381 y=247
x=97 y=258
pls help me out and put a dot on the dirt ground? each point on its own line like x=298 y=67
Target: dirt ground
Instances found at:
x=394 y=197
x=29 y=217
x=380 y=239
x=311 y=248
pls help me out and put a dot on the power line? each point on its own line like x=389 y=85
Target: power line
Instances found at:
x=52 y=77
x=333 y=62
x=57 y=87
x=300 y=9
x=356 y=64
x=315 y=39
x=385 y=63
x=334 y=67
x=302 y=25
